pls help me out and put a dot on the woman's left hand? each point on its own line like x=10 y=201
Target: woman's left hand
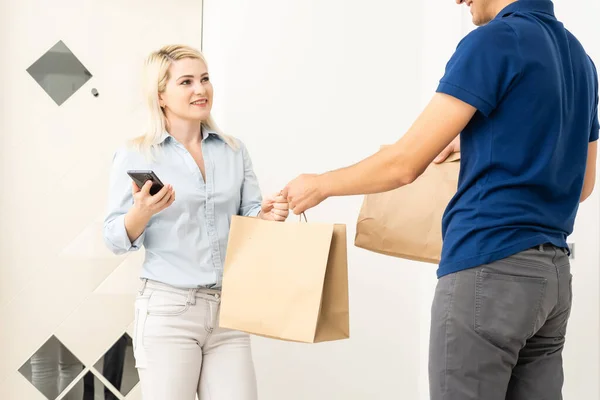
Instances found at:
x=274 y=208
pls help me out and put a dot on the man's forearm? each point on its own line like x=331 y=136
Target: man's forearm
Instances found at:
x=401 y=163
x=383 y=171
x=392 y=167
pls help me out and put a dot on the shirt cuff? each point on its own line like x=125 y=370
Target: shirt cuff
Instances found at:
x=120 y=239
x=452 y=90
x=253 y=212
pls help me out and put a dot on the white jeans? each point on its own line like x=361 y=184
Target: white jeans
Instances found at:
x=180 y=351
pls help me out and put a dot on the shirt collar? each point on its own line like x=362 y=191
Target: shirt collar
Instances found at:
x=543 y=6
x=206 y=132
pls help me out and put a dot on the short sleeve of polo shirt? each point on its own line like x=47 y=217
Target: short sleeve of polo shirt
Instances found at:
x=595 y=123
x=484 y=66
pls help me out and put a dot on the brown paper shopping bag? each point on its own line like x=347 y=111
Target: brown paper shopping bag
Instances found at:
x=286 y=281
x=407 y=222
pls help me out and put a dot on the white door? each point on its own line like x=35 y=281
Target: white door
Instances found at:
x=58 y=284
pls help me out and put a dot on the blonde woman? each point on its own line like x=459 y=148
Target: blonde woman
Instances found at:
x=179 y=349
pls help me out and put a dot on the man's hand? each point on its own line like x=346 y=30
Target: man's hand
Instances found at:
x=453 y=147
x=304 y=192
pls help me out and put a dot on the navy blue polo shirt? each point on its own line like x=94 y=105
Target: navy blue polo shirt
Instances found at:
x=523 y=154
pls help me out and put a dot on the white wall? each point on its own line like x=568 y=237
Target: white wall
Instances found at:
x=315 y=85
x=582 y=351
x=302 y=83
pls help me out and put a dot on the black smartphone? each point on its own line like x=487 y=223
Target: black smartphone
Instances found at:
x=141 y=177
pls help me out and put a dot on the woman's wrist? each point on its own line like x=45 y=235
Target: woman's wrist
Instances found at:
x=135 y=222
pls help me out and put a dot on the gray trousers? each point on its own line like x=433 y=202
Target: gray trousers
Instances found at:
x=498 y=330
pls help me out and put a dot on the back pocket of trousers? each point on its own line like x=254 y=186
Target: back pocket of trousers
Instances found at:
x=507 y=307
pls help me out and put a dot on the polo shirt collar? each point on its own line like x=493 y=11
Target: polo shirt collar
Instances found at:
x=542 y=6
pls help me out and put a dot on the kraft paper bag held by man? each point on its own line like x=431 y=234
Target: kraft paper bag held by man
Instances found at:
x=523 y=94
x=413 y=230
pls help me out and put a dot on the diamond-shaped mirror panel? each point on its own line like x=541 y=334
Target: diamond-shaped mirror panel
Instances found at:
x=92 y=389
x=59 y=73
x=52 y=368
x=118 y=367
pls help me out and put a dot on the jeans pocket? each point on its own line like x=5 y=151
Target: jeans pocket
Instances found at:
x=507 y=307
x=141 y=306
x=163 y=303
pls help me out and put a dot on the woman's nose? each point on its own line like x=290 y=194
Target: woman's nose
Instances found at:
x=199 y=88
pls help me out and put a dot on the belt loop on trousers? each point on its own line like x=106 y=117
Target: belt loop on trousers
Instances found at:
x=191 y=299
x=144 y=281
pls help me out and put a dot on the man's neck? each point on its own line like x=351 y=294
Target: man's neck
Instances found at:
x=500 y=5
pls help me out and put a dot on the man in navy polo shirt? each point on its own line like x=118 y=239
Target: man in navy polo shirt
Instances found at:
x=524 y=96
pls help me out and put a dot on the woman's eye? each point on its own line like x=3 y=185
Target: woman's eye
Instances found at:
x=186 y=82
x=205 y=79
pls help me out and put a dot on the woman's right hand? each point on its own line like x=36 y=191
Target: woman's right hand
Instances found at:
x=146 y=204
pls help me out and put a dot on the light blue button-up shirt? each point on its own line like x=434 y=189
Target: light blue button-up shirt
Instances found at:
x=185 y=243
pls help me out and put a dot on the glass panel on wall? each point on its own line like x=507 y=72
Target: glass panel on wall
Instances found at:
x=118 y=366
x=52 y=368
x=59 y=73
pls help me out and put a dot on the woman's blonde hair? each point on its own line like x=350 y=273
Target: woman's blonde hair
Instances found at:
x=156 y=76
